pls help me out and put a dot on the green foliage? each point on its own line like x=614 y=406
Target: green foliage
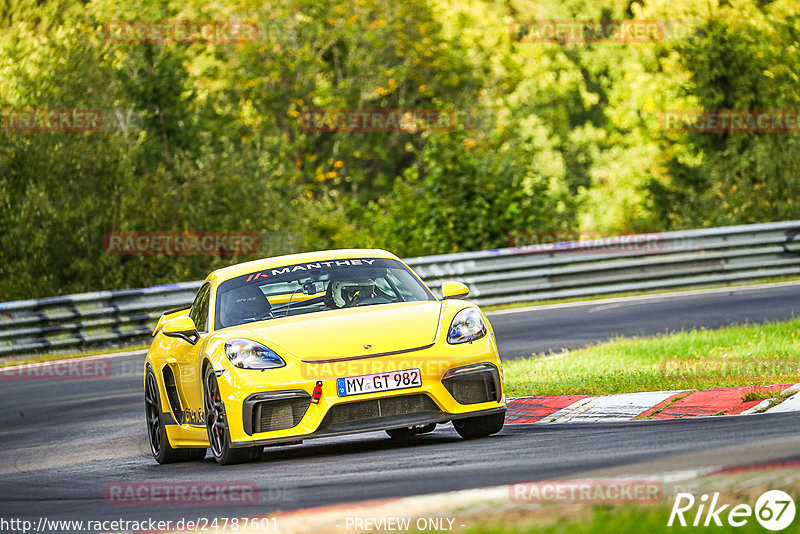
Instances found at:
x=462 y=195
x=549 y=136
x=741 y=64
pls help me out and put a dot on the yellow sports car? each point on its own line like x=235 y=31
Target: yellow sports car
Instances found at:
x=284 y=349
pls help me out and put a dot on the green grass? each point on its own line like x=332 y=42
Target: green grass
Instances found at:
x=741 y=355
x=757 y=395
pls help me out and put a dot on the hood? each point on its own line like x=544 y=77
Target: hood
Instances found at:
x=344 y=333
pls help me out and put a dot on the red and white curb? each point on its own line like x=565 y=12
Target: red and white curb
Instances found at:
x=650 y=405
x=792 y=404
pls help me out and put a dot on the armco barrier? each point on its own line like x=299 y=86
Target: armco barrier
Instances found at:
x=691 y=258
x=103 y=317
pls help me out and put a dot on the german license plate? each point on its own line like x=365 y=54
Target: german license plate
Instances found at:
x=356 y=385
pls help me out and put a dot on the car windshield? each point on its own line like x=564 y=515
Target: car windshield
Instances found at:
x=314 y=287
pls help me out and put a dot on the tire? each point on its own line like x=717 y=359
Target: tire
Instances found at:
x=481 y=426
x=219 y=437
x=410 y=432
x=162 y=451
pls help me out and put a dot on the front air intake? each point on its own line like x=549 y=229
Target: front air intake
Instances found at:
x=378 y=414
x=377 y=408
x=473 y=384
x=279 y=415
x=276 y=410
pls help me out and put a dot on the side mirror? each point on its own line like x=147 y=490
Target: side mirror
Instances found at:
x=181 y=327
x=454 y=290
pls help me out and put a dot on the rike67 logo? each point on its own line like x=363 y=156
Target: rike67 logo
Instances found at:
x=774 y=510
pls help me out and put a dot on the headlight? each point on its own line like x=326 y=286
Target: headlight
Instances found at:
x=249 y=354
x=467 y=325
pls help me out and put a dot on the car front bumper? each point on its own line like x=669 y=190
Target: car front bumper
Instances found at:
x=275 y=406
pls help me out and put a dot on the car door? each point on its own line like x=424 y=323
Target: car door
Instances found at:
x=184 y=360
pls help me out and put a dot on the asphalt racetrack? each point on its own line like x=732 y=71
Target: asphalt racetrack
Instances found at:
x=536 y=330
x=66 y=441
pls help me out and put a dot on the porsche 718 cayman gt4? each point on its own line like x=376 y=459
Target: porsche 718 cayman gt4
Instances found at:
x=284 y=349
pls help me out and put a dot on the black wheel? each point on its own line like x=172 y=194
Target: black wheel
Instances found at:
x=217 y=426
x=411 y=431
x=162 y=451
x=478 y=427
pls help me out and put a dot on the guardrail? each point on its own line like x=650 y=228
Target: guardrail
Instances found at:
x=691 y=258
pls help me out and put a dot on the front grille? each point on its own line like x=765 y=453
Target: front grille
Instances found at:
x=378 y=408
x=473 y=387
x=269 y=416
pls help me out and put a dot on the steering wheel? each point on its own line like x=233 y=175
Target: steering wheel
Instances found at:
x=359 y=298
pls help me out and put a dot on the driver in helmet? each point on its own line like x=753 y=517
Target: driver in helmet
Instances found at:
x=347 y=293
